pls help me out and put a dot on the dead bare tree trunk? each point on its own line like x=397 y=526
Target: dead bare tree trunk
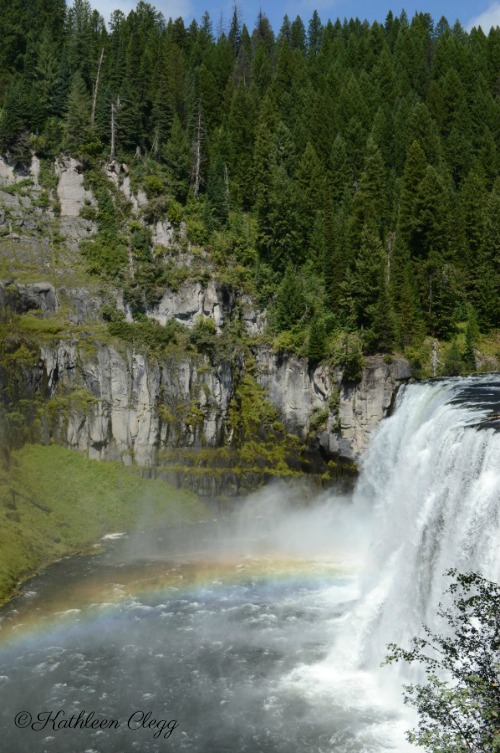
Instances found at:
x=226 y=184
x=197 y=155
x=96 y=88
x=114 y=126
x=390 y=242
x=155 y=146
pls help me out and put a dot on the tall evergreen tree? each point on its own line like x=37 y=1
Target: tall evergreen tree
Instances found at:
x=312 y=185
x=290 y=303
x=370 y=202
x=240 y=128
x=177 y=157
x=77 y=120
x=285 y=220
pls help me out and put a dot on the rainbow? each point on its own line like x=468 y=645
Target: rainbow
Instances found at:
x=101 y=604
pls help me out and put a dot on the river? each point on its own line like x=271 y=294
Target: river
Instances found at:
x=263 y=632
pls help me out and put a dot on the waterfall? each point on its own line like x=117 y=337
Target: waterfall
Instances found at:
x=432 y=477
x=429 y=490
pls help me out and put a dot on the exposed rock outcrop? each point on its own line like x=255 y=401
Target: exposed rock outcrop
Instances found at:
x=164 y=234
x=118 y=174
x=81 y=305
x=22 y=298
x=127 y=406
x=194 y=301
x=7 y=172
x=130 y=406
x=70 y=189
x=354 y=409
x=292 y=388
x=73 y=197
x=254 y=320
x=363 y=404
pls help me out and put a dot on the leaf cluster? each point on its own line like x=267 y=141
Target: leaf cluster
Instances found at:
x=459 y=704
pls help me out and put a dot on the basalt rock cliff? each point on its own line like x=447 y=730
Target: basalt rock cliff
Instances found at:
x=64 y=378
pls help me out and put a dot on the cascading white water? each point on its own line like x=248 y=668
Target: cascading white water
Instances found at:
x=430 y=486
x=434 y=480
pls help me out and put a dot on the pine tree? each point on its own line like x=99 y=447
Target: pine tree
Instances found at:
x=471 y=336
x=355 y=137
x=453 y=362
x=240 y=129
x=439 y=294
x=285 y=221
x=385 y=77
x=262 y=71
x=14 y=125
x=316 y=345
x=312 y=185
x=336 y=261
x=234 y=36
x=405 y=298
x=129 y=119
x=298 y=35
x=77 y=120
x=177 y=157
x=290 y=303
x=473 y=196
x=340 y=172
x=431 y=216
x=163 y=109
x=369 y=204
x=285 y=33
x=47 y=70
x=368 y=274
x=423 y=129
x=218 y=193
x=486 y=267
x=413 y=175
x=382 y=335
x=314 y=35
x=263 y=162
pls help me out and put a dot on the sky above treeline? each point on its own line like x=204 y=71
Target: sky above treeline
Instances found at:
x=469 y=12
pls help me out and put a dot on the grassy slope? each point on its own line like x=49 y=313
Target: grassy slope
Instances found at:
x=54 y=502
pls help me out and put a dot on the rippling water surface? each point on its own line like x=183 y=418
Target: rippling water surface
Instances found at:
x=205 y=627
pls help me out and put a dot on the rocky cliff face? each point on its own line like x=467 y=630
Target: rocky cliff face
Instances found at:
x=129 y=406
x=353 y=409
x=362 y=405
x=126 y=406
x=119 y=403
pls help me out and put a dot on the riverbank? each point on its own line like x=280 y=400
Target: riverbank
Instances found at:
x=55 y=502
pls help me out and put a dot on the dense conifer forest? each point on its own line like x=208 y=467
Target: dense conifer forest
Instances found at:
x=346 y=173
